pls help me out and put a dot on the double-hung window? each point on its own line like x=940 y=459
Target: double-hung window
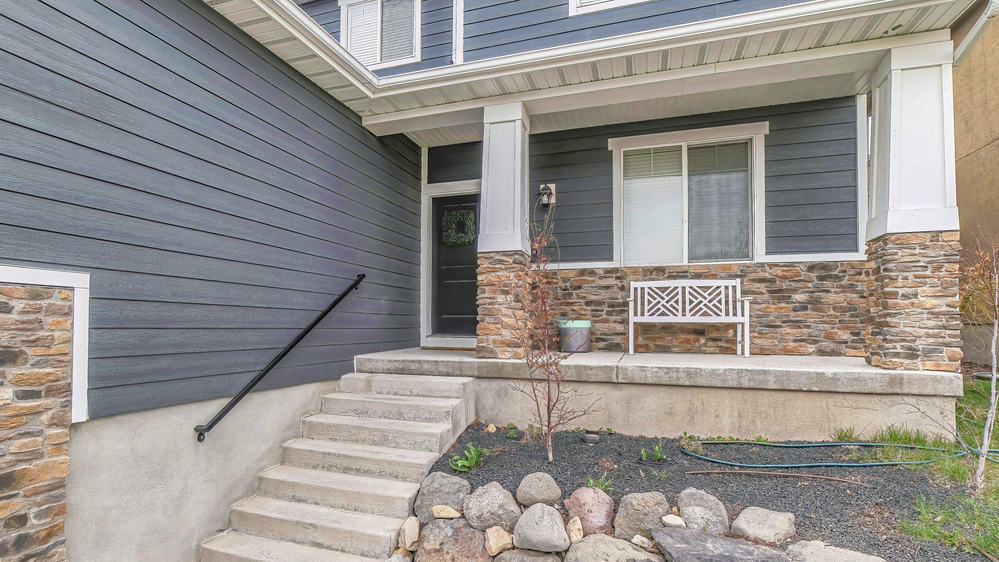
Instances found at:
x=381 y=33
x=685 y=202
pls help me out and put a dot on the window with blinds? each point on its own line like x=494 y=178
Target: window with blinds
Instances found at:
x=683 y=204
x=381 y=32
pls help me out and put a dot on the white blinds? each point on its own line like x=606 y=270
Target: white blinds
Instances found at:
x=362 y=31
x=397 y=29
x=718 y=199
x=653 y=206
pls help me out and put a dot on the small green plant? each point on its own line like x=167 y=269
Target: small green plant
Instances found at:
x=512 y=434
x=662 y=475
x=471 y=459
x=845 y=435
x=604 y=483
x=609 y=431
x=901 y=435
x=657 y=453
x=533 y=433
x=511 y=425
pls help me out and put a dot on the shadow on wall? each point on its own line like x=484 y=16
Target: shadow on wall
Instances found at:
x=977 y=342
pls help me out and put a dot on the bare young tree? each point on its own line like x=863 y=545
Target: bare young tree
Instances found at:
x=555 y=404
x=980 y=300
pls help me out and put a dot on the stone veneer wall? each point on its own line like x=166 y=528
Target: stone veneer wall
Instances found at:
x=35 y=365
x=915 y=319
x=816 y=308
x=502 y=298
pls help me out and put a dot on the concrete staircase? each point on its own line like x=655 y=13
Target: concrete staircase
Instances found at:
x=347 y=485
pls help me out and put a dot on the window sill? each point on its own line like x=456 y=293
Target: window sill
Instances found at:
x=576 y=10
x=393 y=63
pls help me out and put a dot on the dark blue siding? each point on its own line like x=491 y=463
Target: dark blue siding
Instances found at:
x=435 y=47
x=502 y=27
x=454 y=162
x=218 y=199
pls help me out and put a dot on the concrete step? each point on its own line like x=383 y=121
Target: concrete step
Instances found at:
x=387 y=406
x=391 y=498
x=312 y=525
x=237 y=547
x=398 y=434
x=356 y=458
x=405 y=385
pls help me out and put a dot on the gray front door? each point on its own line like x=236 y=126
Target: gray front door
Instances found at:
x=455 y=234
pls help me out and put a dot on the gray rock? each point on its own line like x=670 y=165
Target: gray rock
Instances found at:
x=637 y=514
x=541 y=528
x=439 y=488
x=703 y=512
x=818 y=551
x=398 y=558
x=594 y=508
x=538 y=487
x=601 y=548
x=451 y=540
x=518 y=555
x=762 y=525
x=491 y=505
x=684 y=545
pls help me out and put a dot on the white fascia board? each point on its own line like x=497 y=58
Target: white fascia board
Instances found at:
x=977 y=30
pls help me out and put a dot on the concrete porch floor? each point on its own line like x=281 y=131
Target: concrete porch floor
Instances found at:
x=779 y=397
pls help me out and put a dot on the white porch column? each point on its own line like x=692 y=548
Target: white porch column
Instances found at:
x=913 y=186
x=503 y=203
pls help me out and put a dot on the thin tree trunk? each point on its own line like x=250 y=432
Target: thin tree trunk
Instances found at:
x=990 y=419
x=549 y=447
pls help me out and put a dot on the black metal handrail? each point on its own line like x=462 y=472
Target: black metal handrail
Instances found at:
x=202 y=430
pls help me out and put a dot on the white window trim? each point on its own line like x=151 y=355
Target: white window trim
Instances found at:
x=752 y=132
x=80 y=283
x=576 y=10
x=417 y=39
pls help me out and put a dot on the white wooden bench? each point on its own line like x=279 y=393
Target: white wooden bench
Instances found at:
x=704 y=301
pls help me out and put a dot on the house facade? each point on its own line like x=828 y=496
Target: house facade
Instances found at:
x=186 y=184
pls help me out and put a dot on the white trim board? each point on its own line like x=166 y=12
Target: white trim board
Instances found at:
x=80 y=283
x=576 y=10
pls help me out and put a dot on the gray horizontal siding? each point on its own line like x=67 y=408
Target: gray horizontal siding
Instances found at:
x=435 y=33
x=218 y=199
x=502 y=27
x=454 y=162
x=811 y=177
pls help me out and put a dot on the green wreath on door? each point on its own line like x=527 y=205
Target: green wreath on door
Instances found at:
x=458 y=227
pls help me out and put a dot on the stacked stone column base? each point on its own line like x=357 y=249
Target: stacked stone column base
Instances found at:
x=503 y=300
x=914 y=318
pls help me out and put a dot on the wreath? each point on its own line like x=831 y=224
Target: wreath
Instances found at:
x=458 y=227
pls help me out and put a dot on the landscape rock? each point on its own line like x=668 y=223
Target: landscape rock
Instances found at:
x=439 y=488
x=685 y=545
x=399 y=557
x=498 y=540
x=538 y=487
x=518 y=555
x=642 y=542
x=541 y=528
x=491 y=505
x=574 y=528
x=409 y=535
x=763 y=525
x=601 y=548
x=818 y=551
x=703 y=512
x=451 y=540
x=594 y=508
x=673 y=520
x=639 y=513
x=444 y=512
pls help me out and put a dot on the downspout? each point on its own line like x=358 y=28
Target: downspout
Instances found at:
x=977 y=30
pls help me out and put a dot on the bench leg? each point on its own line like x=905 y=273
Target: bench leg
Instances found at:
x=631 y=337
x=738 y=339
x=745 y=337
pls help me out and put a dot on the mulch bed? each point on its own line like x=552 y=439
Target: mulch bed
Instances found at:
x=855 y=517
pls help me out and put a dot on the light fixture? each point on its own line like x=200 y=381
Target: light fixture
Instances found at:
x=546 y=195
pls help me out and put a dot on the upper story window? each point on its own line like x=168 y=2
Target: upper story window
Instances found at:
x=579 y=7
x=381 y=33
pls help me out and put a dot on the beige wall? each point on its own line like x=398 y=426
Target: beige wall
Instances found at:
x=976 y=124
x=141 y=487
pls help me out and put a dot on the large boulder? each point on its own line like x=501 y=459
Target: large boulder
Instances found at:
x=594 y=508
x=541 y=528
x=451 y=540
x=517 y=555
x=762 y=525
x=703 y=512
x=491 y=505
x=439 y=488
x=638 y=514
x=538 y=487
x=601 y=548
x=684 y=545
x=818 y=551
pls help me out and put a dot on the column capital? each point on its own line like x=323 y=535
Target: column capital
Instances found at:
x=505 y=112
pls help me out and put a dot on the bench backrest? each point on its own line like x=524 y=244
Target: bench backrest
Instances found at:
x=686 y=301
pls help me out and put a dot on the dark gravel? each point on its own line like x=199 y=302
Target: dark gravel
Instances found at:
x=854 y=517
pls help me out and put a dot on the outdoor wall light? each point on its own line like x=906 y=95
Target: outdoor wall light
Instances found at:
x=546 y=195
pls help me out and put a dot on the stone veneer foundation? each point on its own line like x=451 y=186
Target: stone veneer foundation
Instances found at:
x=502 y=298
x=35 y=371
x=914 y=319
